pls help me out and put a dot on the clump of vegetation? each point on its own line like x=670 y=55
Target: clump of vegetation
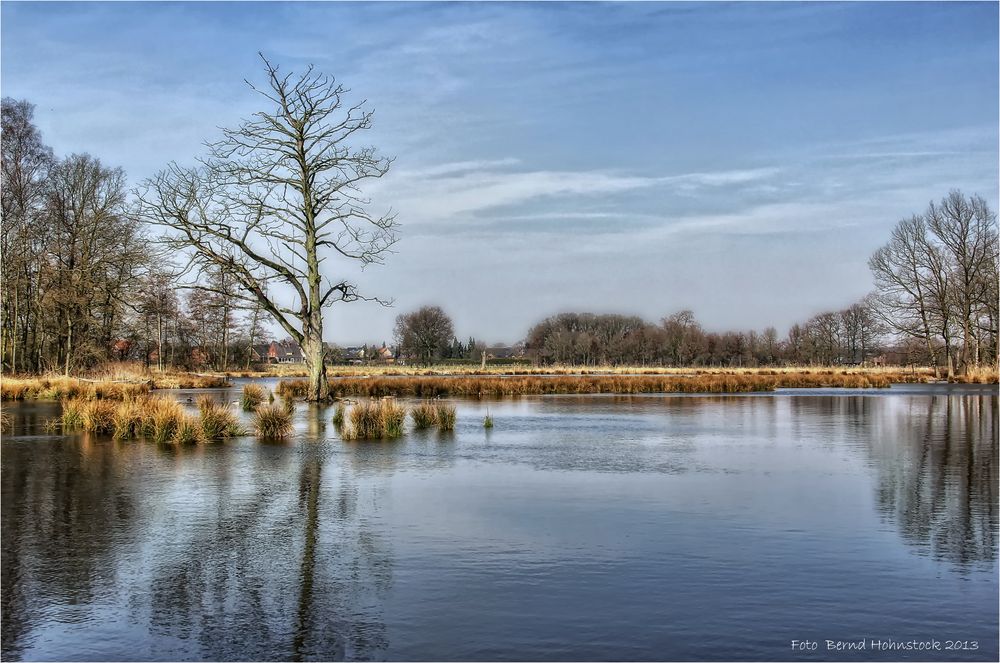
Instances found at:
x=292 y=388
x=446 y=417
x=488 y=420
x=128 y=419
x=374 y=420
x=163 y=416
x=272 y=422
x=98 y=416
x=289 y=405
x=6 y=422
x=218 y=421
x=72 y=412
x=253 y=395
x=338 y=415
x=205 y=401
x=424 y=415
x=187 y=431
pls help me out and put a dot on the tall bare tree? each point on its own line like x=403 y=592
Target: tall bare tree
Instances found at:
x=277 y=196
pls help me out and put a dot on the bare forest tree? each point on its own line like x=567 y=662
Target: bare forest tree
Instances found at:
x=424 y=335
x=277 y=196
x=936 y=281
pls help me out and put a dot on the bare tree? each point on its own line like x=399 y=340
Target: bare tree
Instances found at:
x=966 y=229
x=276 y=196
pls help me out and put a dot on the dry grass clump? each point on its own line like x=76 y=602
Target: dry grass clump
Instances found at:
x=253 y=395
x=98 y=416
x=445 y=416
x=339 y=415
x=373 y=420
x=292 y=388
x=272 y=422
x=187 y=431
x=128 y=419
x=163 y=417
x=218 y=421
x=424 y=415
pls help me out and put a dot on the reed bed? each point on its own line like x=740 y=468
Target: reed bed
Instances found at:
x=561 y=369
x=59 y=388
x=490 y=387
x=374 y=420
x=253 y=395
x=272 y=422
x=292 y=388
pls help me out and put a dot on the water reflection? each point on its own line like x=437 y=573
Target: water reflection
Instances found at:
x=938 y=485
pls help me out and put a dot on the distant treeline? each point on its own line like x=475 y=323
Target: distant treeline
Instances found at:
x=851 y=336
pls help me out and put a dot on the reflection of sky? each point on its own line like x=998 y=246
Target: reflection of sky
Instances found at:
x=636 y=157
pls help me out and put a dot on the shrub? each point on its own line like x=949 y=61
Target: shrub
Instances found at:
x=253 y=395
x=272 y=422
x=445 y=416
x=424 y=415
x=218 y=421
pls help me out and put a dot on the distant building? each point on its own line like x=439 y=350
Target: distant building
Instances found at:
x=286 y=352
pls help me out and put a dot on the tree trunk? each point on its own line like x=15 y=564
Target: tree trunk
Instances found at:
x=312 y=351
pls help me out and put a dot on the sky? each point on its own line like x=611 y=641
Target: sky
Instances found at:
x=741 y=160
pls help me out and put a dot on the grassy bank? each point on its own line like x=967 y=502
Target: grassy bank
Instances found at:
x=486 y=386
x=110 y=387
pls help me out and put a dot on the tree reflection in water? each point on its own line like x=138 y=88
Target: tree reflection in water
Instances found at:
x=937 y=464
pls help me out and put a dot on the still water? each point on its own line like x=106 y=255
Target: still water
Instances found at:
x=582 y=528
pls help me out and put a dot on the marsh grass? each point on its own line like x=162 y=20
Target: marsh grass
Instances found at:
x=272 y=422
x=375 y=420
x=218 y=421
x=424 y=415
x=188 y=430
x=445 y=417
x=253 y=395
x=338 y=415
x=98 y=416
x=488 y=420
x=288 y=404
x=292 y=388
x=492 y=387
x=72 y=412
x=60 y=388
x=128 y=419
x=163 y=417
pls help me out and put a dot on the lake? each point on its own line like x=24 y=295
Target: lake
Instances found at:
x=578 y=528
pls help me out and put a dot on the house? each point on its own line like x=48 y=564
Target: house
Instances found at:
x=285 y=352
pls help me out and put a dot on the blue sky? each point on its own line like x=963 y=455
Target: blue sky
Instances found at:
x=741 y=160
